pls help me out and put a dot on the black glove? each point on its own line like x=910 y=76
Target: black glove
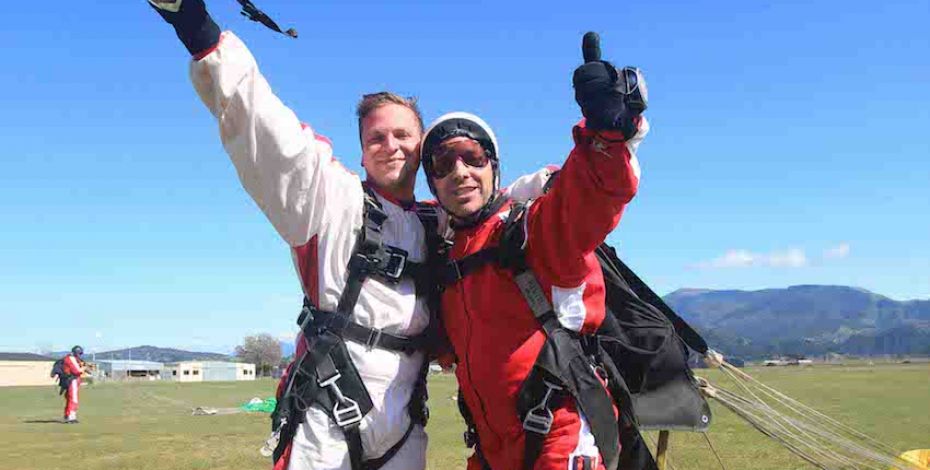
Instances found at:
x=192 y=23
x=610 y=98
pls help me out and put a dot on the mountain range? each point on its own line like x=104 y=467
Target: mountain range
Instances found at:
x=805 y=320
x=155 y=354
x=808 y=320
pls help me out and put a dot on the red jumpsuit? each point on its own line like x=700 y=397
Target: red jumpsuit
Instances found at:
x=72 y=366
x=493 y=332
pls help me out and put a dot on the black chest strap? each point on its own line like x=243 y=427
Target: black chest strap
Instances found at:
x=351 y=331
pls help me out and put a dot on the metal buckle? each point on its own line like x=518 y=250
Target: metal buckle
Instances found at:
x=541 y=423
x=374 y=336
x=349 y=413
x=271 y=443
x=539 y=418
x=398 y=260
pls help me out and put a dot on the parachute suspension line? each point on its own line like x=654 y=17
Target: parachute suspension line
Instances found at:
x=785 y=425
x=818 y=439
x=759 y=419
x=806 y=425
x=829 y=442
x=733 y=370
x=714 y=450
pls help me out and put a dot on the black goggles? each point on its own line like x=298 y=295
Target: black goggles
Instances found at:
x=469 y=151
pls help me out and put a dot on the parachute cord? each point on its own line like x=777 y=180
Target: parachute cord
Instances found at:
x=714 y=450
x=821 y=441
x=786 y=426
x=790 y=402
x=713 y=359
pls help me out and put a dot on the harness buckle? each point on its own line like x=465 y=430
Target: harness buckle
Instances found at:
x=346 y=411
x=397 y=260
x=271 y=443
x=374 y=337
x=539 y=418
x=349 y=414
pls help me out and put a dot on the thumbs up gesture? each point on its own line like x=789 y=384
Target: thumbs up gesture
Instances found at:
x=610 y=98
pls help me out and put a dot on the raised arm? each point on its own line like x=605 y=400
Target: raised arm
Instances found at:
x=600 y=176
x=287 y=169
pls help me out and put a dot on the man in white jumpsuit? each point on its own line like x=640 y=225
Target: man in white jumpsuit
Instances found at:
x=317 y=207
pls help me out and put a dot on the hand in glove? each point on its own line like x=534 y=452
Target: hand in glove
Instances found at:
x=610 y=98
x=194 y=26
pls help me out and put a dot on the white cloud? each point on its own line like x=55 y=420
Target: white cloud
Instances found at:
x=790 y=258
x=732 y=259
x=837 y=252
x=738 y=258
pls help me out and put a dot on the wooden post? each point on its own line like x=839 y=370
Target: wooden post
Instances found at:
x=661 y=450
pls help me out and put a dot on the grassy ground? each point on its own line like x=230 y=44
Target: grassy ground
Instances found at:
x=148 y=425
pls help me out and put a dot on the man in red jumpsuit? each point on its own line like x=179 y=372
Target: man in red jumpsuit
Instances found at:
x=494 y=334
x=73 y=369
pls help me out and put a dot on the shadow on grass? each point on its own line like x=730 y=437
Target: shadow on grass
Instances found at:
x=43 y=421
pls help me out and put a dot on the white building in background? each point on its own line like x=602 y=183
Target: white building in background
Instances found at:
x=119 y=369
x=200 y=371
x=187 y=371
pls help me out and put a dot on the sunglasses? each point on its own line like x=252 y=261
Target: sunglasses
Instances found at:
x=470 y=152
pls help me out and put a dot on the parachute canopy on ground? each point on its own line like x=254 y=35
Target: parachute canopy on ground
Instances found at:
x=921 y=457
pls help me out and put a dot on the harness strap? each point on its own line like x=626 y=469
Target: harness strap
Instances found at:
x=375 y=464
x=370 y=337
x=455 y=270
x=471 y=433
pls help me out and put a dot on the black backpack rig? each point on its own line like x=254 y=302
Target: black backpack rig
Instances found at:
x=640 y=350
x=58 y=372
x=325 y=376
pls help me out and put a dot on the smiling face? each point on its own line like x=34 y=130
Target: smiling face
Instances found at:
x=467 y=186
x=390 y=135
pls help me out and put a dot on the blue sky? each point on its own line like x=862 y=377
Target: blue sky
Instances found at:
x=789 y=146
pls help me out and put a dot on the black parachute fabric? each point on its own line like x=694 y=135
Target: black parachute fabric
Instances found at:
x=648 y=343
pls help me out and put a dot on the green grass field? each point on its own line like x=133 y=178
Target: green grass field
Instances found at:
x=149 y=426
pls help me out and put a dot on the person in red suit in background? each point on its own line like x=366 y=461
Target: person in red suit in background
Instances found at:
x=73 y=368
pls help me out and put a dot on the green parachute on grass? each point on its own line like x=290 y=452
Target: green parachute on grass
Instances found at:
x=257 y=405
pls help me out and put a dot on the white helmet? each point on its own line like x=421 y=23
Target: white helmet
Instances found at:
x=459 y=124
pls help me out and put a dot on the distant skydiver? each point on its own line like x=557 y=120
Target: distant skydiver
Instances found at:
x=69 y=379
